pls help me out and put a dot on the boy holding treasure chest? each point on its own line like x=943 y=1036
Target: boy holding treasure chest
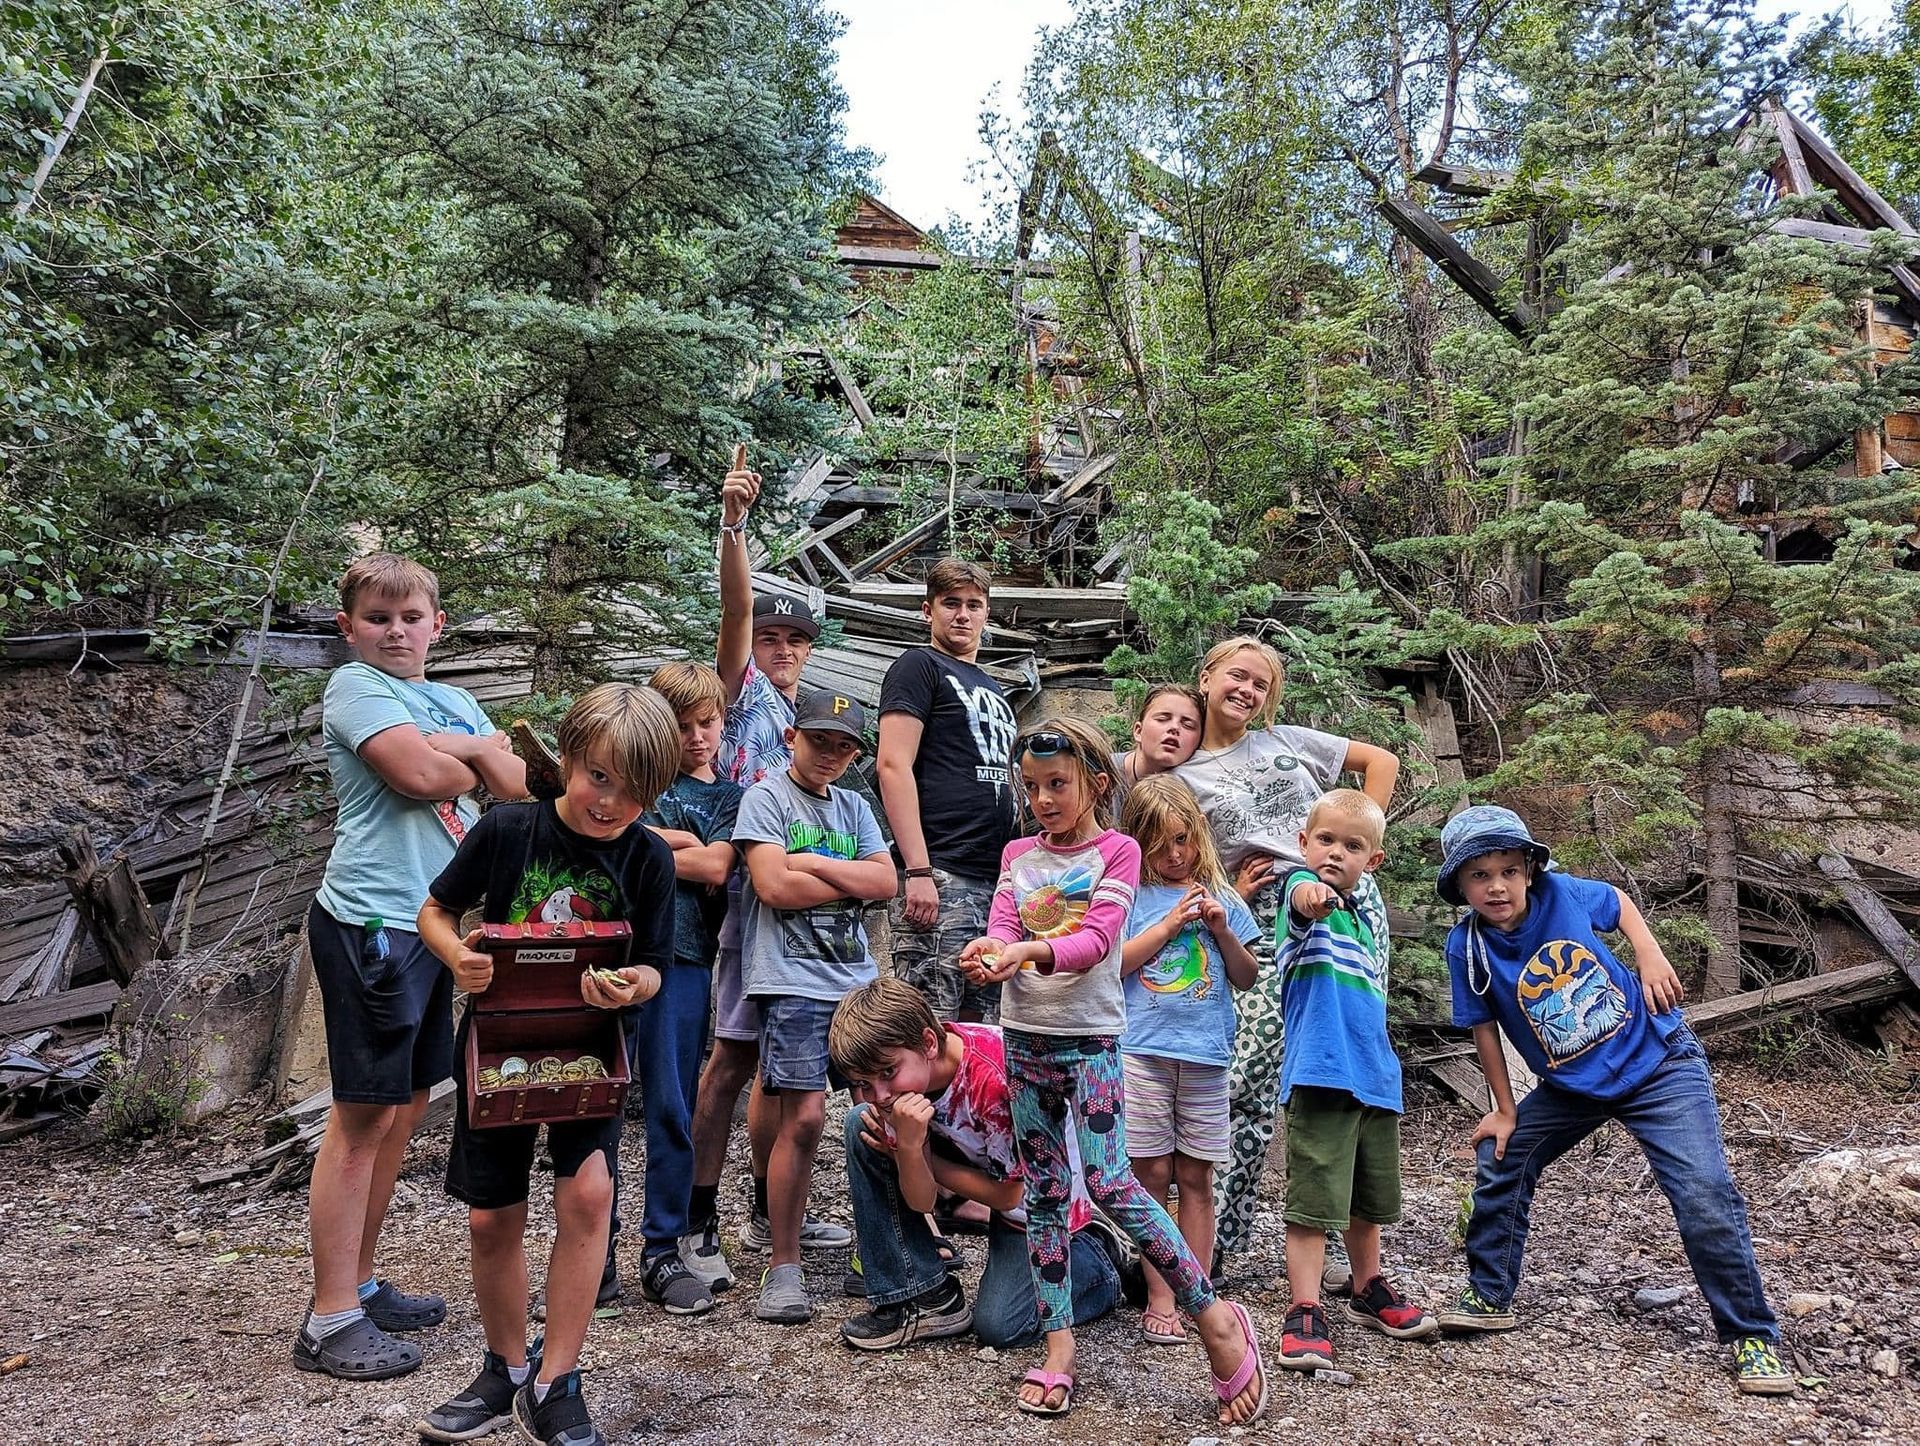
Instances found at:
x=582 y=856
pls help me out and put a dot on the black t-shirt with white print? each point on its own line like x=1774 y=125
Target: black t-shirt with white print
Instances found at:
x=967 y=809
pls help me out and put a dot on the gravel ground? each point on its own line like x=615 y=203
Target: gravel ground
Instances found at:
x=150 y=1313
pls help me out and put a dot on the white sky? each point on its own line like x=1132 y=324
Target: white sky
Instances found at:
x=918 y=72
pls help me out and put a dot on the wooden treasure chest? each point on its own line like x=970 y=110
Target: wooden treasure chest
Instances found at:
x=536 y=1052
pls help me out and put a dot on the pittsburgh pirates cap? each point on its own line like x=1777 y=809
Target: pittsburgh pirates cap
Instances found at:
x=826 y=709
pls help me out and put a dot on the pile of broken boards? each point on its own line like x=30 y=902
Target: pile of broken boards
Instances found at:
x=55 y=1005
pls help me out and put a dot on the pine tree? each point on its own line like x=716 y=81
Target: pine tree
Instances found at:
x=1700 y=366
x=635 y=199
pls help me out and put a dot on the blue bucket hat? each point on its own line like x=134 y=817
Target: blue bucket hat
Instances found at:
x=1483 y=829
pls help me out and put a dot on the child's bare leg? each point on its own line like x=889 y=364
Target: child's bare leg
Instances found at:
x=1306 y=1258
x=803 y=1115
x=582 y=1210
x=763 y=1126
x=1195 y=1178
x=729 y=1067
x=1059 y=1359
x=500 y=1278
x=1363 y=1249
x=337 y=1200
x=386 y=1169
x=1155 y=1174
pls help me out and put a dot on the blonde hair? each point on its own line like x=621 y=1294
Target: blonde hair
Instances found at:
x=1351 y=803
x=388 y=575
x=636 y=729
x=1087 y=746
x=1160 y=806
x=1217 y=656
x=690 y=688
x=879 y=1017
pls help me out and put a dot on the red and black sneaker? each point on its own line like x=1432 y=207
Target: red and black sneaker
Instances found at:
x=1380 y=1305
x=1304 y=1343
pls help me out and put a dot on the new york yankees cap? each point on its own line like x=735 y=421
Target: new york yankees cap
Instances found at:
x=786 y=611
x=825 y=709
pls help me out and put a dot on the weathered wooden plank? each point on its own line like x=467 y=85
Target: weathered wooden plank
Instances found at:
x=1799 y=181
x=1464 y=180
x=1083 y=479
x=1874 y=915
x=849 y=389
x=48 y=970
x=1460 y=266
x=1827 y=167
x=881 y=495
x=1838 y=989
x=27 y=1015
x=921 y=532
x=1036 y=604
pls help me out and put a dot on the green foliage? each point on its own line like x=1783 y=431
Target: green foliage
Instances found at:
x=1188 y=586
x=152 y=1080
x=1866 y=93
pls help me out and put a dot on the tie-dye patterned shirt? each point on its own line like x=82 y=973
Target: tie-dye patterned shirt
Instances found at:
x=1077 y=899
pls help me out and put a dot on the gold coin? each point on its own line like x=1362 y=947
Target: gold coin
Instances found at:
x=574 y=1072
x=490 y=1079
x=591 y=1064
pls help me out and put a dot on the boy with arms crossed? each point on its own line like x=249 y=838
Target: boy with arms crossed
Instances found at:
x=814 y=857
x=581 y=856
x=1607 y=1043
x=403 y=754
x=945 y=733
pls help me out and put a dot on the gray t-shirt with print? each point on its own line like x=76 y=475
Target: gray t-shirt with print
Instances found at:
x=817 y=953
x=1257 y=794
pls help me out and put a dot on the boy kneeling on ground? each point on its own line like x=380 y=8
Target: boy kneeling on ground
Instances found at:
x=581 y=856
x=1607 y=1043
x=934 y=1114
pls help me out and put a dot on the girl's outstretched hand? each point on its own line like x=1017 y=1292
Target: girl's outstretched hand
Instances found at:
x=986 y=961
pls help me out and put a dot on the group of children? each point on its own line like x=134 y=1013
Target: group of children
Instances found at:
x=1175 y=915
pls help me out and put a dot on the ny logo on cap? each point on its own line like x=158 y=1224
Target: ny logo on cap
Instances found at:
x=840 y=705
x=783 y=605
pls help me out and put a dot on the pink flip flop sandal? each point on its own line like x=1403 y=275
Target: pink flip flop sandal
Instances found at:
x=1049 y=1382
x=1250 y=1363
x=1157 y=1329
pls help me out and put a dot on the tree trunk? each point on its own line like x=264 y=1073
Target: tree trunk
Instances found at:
x=1719 y=843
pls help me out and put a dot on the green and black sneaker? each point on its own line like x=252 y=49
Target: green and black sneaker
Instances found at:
x=1757 y=1369
x=1470 y=1313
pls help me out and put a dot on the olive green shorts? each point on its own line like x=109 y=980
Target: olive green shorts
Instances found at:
x=1343 y=1160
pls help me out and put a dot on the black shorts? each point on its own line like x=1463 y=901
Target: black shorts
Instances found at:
x=493 y=1168
x=389 y=1022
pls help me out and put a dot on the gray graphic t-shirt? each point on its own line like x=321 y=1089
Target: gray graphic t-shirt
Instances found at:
x=818 y=953
x=1257 y=794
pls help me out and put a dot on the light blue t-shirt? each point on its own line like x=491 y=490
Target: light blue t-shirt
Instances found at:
x=1575 y=1013
x=1180 y=1003
x=817 y=953
x=387 y=848
x=1333 y=1003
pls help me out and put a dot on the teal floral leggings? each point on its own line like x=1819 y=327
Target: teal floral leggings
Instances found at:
x=1052 y=1076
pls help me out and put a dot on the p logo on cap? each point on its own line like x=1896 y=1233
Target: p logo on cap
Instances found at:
x=840 y=705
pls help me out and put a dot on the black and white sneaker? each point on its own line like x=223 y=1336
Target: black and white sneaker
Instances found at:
x=668 y=1283
x=481 y=1409
x=704 y=1256
x=942 y=1311
x=561 y=1419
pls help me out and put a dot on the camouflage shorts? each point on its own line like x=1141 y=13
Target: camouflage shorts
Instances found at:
x=929 y=959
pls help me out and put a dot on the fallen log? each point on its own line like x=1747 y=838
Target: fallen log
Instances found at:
x=1871 y=983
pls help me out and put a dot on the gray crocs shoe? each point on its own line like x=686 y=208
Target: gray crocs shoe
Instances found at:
x=783 y=1296
x=358 y=1351
x=393 y=1309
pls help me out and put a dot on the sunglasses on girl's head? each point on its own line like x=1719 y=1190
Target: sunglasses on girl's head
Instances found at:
x=1043 y=745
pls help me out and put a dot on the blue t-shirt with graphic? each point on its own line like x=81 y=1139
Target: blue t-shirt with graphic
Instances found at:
x=387 y=847
x=1576 y=1014
x=1179 y=1003
x=1333 y=1003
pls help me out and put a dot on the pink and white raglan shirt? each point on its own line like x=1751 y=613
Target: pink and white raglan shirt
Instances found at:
x=1077 y=899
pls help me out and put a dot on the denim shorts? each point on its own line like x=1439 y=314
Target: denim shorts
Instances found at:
x=389 y=1021
x=793 y=1043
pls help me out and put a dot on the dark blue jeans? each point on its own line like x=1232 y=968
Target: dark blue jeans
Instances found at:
x=664 y=1039
x=899 y=1260
x=1676 y=1121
